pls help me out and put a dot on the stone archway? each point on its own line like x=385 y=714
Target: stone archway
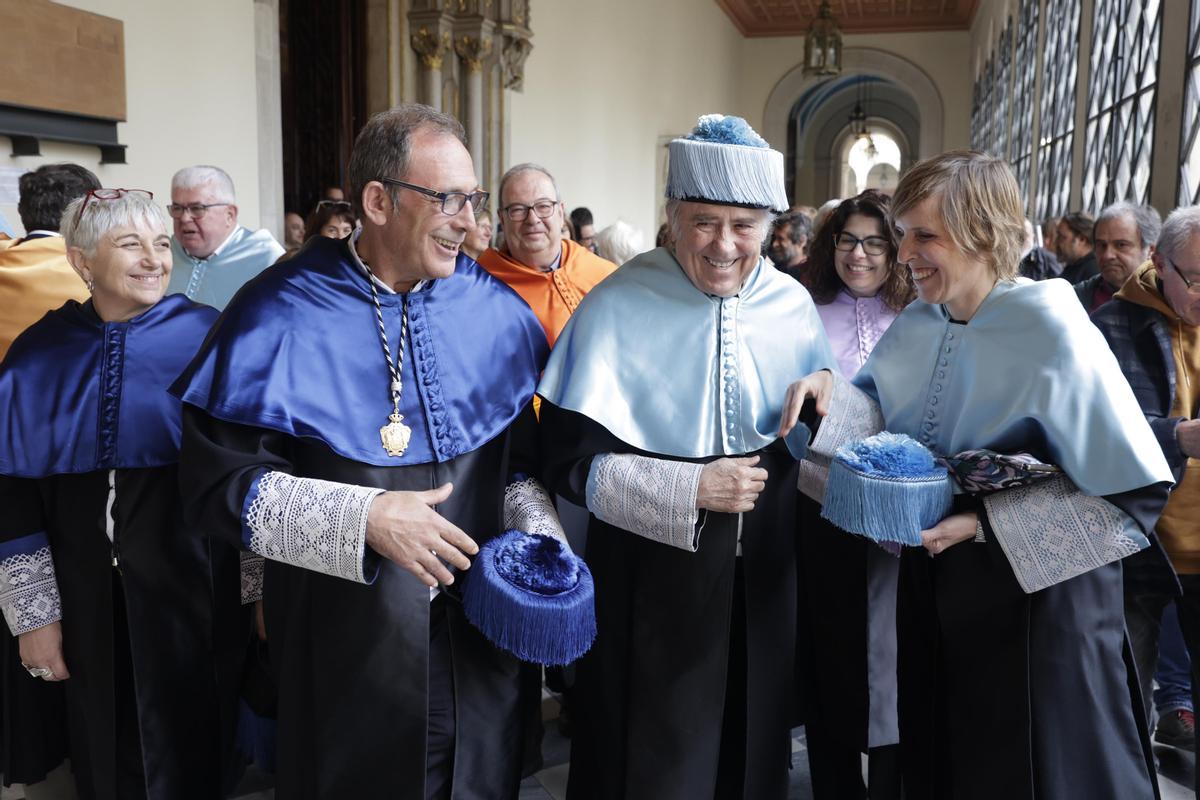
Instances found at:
x=867 y=61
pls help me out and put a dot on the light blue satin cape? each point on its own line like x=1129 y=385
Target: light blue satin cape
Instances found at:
x=215 y=280
x=668 y=369
x=1029 y=372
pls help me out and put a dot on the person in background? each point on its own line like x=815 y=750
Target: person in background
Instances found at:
x=789 y=243
x=479 y=238
x=35 y=275
x=619 y=242
x=1037 y=263
x=849 y=583
x=1124 y=239
x=584 y=227
x=1049 y=230
x=334 y=193
x=213 y=254
x=333 y=219
x=1073 y=246
x=293 y=231
x=1152 y=325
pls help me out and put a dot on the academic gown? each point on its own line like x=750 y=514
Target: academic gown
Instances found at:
x=97 y=439
x=293 y=380
x=1006 y=694
x=651 y=365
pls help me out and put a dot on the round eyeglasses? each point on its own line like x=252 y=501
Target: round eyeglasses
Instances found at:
x=871 y=245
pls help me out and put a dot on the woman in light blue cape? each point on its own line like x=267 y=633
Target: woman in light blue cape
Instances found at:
x=1012 y=650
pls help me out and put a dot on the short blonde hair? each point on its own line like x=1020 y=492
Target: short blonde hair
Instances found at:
x=980 y=205
x=84 y=230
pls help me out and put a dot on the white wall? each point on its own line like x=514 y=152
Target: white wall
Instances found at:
x=605 y=81
x=190 y=92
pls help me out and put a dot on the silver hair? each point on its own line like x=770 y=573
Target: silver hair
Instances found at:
x=205 y=175
x=673 y=219
x=1177 y=232
x=101 y=216
x=384 y=145
x=619 y=242
x=521 y=169
x=1146 y=218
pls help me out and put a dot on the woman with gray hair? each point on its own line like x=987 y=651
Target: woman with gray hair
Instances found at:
x=98 y=581
x=619 y=242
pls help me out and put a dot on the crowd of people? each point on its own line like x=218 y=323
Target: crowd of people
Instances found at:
x=245 y=482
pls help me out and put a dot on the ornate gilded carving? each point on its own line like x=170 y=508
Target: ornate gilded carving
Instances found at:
x=473 y=50
x=430 y=47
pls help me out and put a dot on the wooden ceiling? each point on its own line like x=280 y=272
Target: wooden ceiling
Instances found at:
x=792 y=17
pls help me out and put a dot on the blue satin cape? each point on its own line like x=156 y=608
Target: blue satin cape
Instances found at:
x=78 y=394
x=668 y=369
x=1029 y=372
x=298 y=351
x=216 y=279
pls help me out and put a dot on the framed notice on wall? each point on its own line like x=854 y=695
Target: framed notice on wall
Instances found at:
x=64 y=76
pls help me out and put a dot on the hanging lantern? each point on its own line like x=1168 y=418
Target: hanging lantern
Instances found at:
x=823 y=44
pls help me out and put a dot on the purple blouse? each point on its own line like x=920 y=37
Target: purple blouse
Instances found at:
x=854 y=326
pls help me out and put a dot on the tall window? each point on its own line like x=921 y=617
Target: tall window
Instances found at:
x=1026 y=58
x=977 y=114
x=987 y=105
x=1189 y=151
x=1121 y=95
x=1058 y=107
x=1001 y=93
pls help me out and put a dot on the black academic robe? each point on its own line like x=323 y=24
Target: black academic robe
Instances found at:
x=652 y=689
x=351 y=659
x=138 y=631
x=972 y=641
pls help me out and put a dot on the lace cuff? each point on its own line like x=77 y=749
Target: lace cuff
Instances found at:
x=852 y=416
x=309 y=523
x=651 y=497
x=28 y=586
x=812 y=480
x=252 y=577
x=1050 y=531
x=528 y=508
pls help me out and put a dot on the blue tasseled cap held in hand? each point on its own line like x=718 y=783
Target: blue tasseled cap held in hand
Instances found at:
x=724 y=161
x=887 y=487
x=531 y=596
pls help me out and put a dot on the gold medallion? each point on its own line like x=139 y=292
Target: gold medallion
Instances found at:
x=395 y=435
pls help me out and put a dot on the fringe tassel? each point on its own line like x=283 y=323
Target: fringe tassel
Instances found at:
x=551 y=629
x=885 y=509
x=725 y=173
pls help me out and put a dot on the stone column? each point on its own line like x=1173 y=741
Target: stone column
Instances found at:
x=431 y=46
x=473 y=50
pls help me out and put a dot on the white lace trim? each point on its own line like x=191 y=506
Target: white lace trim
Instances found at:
x=651 y=497
x=29 y=591
x=812 y=480
x=252 y=577
x=528 y=508
x=853 y=415
x=1051 y=531
x=309 y=523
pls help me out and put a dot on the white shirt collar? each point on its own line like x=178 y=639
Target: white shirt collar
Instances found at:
x=41 y=232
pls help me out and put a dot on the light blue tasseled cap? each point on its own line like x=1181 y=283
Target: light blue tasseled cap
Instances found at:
x=724 y=161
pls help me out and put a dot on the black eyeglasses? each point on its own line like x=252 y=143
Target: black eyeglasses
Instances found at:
x=871 y=245
x=1193 y=287
x=342 y=204
x=452 y=202
x=542 y=208
x=108 y=194
x=197 y=210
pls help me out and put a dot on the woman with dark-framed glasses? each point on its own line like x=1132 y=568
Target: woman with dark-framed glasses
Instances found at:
x=849 y=601
x=97 y=578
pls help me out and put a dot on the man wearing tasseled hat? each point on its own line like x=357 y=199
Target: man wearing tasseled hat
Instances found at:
x=659 y=412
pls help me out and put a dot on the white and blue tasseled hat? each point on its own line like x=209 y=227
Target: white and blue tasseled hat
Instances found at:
x=887 y=487
x=724 y=161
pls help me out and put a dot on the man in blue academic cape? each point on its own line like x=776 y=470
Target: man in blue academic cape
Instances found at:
x=361 y=416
